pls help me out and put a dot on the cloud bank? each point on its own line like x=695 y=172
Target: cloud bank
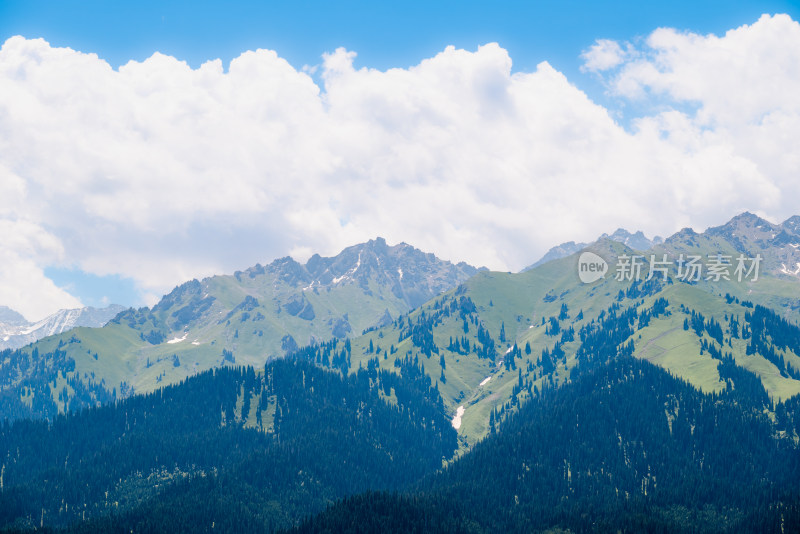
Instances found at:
x=160 y=172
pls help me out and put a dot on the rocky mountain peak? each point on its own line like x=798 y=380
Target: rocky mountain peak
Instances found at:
x=792 y=225
x=11 y=317
x=635 y=241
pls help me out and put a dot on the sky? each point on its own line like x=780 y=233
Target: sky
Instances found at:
x=144 y=144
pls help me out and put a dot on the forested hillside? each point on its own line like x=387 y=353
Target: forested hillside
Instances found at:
x=624 y=448
x=230 y=449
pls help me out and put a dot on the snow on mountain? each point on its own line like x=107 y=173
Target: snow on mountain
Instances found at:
x=413 y=276
x=16 y=331
x=636 y=241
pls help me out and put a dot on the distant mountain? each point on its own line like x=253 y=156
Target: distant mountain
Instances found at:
x=560 y=251
x=636 y=241
x=473 y=340
x=792 y=225
x=16 y=331
x=11 y=318
x=246 y=318
x=411 y=275
x=747 y=236
x=778 y=244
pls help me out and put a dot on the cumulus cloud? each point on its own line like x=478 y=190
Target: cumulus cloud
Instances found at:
x=604 y=54
x=25 y=247
x=742 y=87
x=160 y=172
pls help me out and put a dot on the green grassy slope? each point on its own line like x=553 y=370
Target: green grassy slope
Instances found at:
x=518 y=303
x=246 y=318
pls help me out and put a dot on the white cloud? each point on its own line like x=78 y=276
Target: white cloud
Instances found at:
x=739 y=78
x=28 y=291
x=744 y=86
x=25 y=247
x=604 y=54
x=160 y=172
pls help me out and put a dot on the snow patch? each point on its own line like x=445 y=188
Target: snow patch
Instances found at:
x=358 y=263
x=785 y=270
x=178 y=339
x=60 y=321
x=195 y=342
x=400 y=272
x=510 y=349
x=484 y=381
x=457 y=417
x=346 y=276
x=6 y=338
x=794 y=245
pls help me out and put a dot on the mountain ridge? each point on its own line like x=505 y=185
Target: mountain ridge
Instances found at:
x=221 y=321
x=16 y=331
x=632 y=402
x=747 y=232
x=636 y=241
x=356 y=263
x=245 y=318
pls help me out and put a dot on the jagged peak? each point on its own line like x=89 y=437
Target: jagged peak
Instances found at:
x=402 y=263
x=743 y=220
x=792 y=224
x=683 y=232
x=193 y=286
x=285 y=260
x=11 y=317
x=636 y=241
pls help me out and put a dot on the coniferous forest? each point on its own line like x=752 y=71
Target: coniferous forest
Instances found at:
x=625 y=448
x=184 y=460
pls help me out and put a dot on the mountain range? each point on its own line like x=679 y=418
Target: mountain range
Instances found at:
x=270 y=311
x=16 y=331
x=504 y=402
x=635 y=241
x=246 y=318
x=535 y=323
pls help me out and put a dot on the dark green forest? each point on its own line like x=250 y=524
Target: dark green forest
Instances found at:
x=625 y=448
x=179 y=459
x=37 y=370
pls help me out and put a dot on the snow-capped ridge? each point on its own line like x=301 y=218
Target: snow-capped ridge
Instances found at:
x=16 y=333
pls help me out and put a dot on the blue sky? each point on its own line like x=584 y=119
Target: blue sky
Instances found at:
x=385 y=34
x=116 y=219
